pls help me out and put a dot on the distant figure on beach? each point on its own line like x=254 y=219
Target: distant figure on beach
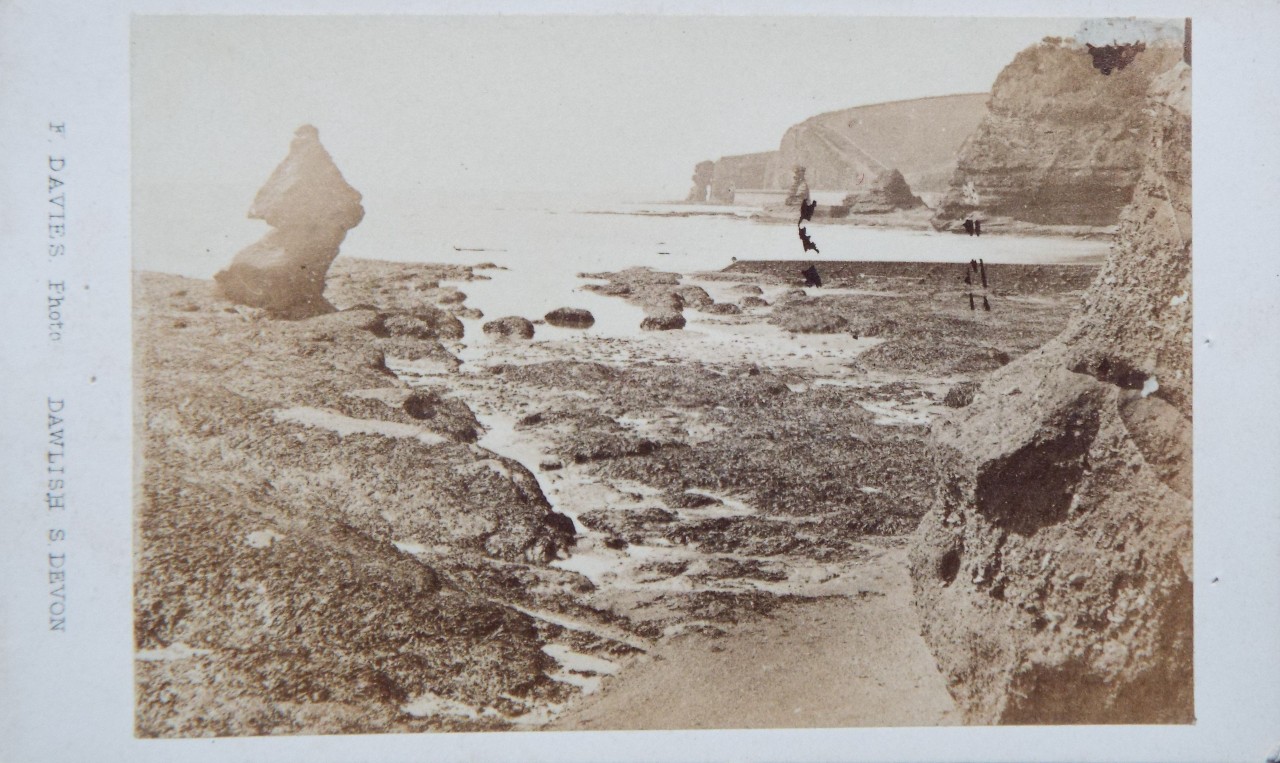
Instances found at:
x=982 y=266
x=968 y=225
x=985 y=304
x=806 y=210
x=971 y=306
x=811 y=277
x=977 y=227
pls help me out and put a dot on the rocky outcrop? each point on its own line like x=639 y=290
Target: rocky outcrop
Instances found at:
x=847 y=149
x=511 y=327
x=888 y=192
x=665 y=320
x=1053 y=573
x=702 y=175
x=310 y=208
x=1061 y=144
x=694 y=296
x=441 y=414
x=309 y=528
x=571 y=317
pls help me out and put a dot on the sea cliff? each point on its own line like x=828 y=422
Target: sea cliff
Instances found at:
x=1053 y=573
x=1061 y=144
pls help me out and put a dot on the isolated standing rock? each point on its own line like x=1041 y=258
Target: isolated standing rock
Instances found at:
x=310 y=208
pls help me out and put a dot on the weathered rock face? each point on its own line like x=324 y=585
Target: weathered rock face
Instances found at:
x=1053 y=574
x=702 y=175
x=1061 y=144
x=889 y=191
x=848 y=149
x=310 y=208
x=662 y=321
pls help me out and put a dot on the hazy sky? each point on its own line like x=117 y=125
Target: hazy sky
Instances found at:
x=594 y=105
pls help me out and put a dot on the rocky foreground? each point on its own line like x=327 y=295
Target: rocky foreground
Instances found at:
x=343 y=528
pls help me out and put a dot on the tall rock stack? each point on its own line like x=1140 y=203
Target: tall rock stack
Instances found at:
x=799 y=190
x=1053 y=575
x=310 y=208
x=701 y=190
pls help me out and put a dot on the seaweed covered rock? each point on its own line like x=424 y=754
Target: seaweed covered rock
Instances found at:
x=511 y=327
x=662 y=321
x=571 y=317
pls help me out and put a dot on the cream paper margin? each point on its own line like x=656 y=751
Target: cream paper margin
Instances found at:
x=69 y=696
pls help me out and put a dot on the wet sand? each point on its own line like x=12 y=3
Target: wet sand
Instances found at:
x=853 y=658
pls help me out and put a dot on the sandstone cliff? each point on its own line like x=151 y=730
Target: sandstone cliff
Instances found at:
x=1061 y=144
x=1053 y=574
x=842 y=150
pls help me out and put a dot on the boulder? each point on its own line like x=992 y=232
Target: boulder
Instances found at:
x=444 y=415
x=662 y=321
x=310 y=208
x=513 y=326
x=571 y=317
x=1061 y=144
x=694 y=296
x=960 y=395
x=722 y=308
x=450 y=296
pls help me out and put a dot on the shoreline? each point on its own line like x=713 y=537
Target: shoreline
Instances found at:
x=903 y=220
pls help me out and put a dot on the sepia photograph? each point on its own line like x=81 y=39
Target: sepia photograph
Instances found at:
x=565 y=373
